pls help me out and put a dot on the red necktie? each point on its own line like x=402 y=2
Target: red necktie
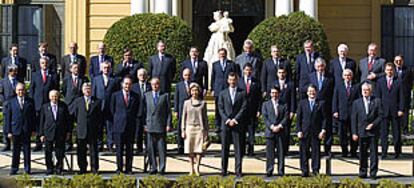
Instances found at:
x=44 y=76
x=248 y=86
x=348 y=90
x=126 y=99
x=370 y=65
x=389 y=84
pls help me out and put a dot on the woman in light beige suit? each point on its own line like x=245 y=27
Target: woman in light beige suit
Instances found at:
x=194 y=127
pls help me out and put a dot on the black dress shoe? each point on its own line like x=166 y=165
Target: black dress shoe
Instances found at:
x=268 y=175
x=59 y=172
x=49 y=172
x=12 y=173
x=37 y=148
x=162 y=173
x=118 y=172
x=128 y=172
x=362 y=176
x=239 y=175
x=383 y=156
x=223 y=174
x=373 y=177
x=397 y=155
x=153 y=172
x=305 y=174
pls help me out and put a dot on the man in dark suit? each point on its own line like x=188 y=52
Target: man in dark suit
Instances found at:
x=220 y=72
x=366 y=121
x=8 y=91
x=305 y=66
x=97 y=60
x=41 y=84
x=124 y=108
x=158 y=113
x=340 y=63
x=270 y=67
x=43 y=52
x=198 y=67
x=20 y=115
x=251 y=86
x=275 y=117
x=345 y=93
x=128 y=66
x=232 y=106
x=249 y=56
x=390 y=91
x=406 y=74
x=287 y=96
x=103 y=86
x=162 y=66
x=325 y=86
x=73 y=58
x=14 y=59
x=371 y=67
x=72 y=89
x=54 y=130
x=182 y=93
x=141 y=87
x=88 y=114
x=311 y=125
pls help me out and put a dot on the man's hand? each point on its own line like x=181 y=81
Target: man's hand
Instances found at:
x=212 y=93
x=336 y=115
x=371 y=76
x=264 y=94
x=205 y=92
x=291 y=115
x=400 y=113
x=168 y=129
x=176 y=114
x=321 y=135
x=231 y=123
x=42 y=138
x=10 y=136
x=369 y=127
x=145 y=129
x=300 y=135
x=183 y=135
x=355 y=137
x=258 y=114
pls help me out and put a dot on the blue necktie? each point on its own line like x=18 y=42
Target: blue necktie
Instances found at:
x=311 y=105
x=156 y=98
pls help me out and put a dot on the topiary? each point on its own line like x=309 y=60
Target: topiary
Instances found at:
x=141 y=32
x=289 y=33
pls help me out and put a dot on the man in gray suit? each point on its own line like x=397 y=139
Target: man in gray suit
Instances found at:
x=158 y=112
x=249 y=56
x=372 y=66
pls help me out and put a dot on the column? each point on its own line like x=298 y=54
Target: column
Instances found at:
x=175 y=6
x=283 y=7
x=138 y=6
x=163 y=6
x=310 y=7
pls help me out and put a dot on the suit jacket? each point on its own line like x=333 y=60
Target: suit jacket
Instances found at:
x=51 y=128
x=201 y=75
x=219 y=77
x=137 y=89
x=95 y=66
x=392 y=99
x=303 y=69
x=287 y=95
x=254 y=97
x=52 y=64
x=124 y=116
x=378 y=68
x=180 y=96
x=341 y=102
x=254 y=59
x=336 y=70
x=407 y=77
x=87 y=121
x=21 y=64
x=121 y=71
x=66 y=61
x=158 y=115
x=6 y=90
x=104 y=93
x=39 y=91
x=235 y=111
x=269 y=72
x=20 y=121
x=311 y=122
x=327 y=87
x=71 y=91
x=270 y=118
x=360 y=120
x=164 y=70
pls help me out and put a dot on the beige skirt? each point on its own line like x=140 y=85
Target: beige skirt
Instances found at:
x=193 y=142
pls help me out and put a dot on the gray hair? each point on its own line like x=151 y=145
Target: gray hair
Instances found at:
x=343 y=47
x=12 y=67
x=348 y=71
x=248 y=42
x=86 y=84
x=367 y=84
x=44 y=58
x=319 y=61
x=142 y=70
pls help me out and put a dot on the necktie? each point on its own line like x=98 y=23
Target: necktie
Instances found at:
x=87 y=104
x=13 y=82
x=186 y=87
x=105 y=78
x=100 y=59
x=126 y=99
x=348 y=89
x=233 y=91
x=75 y=81
x=223 y=66
x=367 y=105
x=13 y=60
x=21 y=103
x=54 y=110
x=156 y=98
x=389 y=84
x=142 y=89
x=311 y=103
x=275 y=106
x=248 y=85
x=308 y=59
x=281 y=85
x=44 y=76
x=194 y=67
x=370 y=63
x=320 y=82
x=161 y=58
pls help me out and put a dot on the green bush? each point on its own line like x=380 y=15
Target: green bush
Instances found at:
x=386 y=183
x=88 y=180
x=56 y=181
x=218 y=181
x=353 y=183
x=141 y=32
x=253 y=182
x=189 y=182
x=154 y=182
x=121 y=181
x=288 y=33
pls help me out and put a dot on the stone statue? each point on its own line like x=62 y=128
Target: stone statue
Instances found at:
x=221 y=28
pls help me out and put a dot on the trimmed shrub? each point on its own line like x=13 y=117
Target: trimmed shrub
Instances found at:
x=289 y=33
x=122 y=181
x=141 y=32
x=154 y=182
